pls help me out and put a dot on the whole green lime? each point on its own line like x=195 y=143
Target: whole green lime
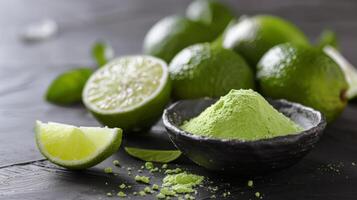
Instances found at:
x=303 y=74
x=253 y=36
x=171 y=34
x=203 y=70
x=212 y=13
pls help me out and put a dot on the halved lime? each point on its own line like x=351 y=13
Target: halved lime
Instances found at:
x=76 y=147
x=348 y=69
x=129 y=92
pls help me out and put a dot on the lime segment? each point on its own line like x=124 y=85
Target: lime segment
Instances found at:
x=128 y=92
x=348 y=69
x=149 y=155
x=76 y=147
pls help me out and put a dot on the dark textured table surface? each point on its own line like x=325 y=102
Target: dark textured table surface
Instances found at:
x=26 y=70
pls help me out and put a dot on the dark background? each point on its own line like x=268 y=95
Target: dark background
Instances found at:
x=27 y=69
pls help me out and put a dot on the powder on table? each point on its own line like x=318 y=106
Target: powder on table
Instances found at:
x=243 y=115
x=182 y=183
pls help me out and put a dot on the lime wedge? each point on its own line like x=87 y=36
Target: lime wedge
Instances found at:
x=149 y=155
x=129 y=92
x=76 y=147
x=348 y=69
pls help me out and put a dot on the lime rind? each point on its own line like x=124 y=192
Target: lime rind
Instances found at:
x=348 y=69
x=150 y=155
x=122 y=62
x=101 y=153
x=147 y=103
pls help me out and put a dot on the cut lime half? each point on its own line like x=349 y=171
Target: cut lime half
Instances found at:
x=76 y=147
x=129 y=92
x=348 y=69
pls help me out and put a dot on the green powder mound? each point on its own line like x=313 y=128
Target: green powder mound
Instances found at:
x=182 y=183
x=243 y=115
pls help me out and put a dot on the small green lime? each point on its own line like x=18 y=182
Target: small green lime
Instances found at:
x=303 y=74
x=129 y=92
x=203 y=70
x=253 y=36
x=212 y=13
x=76 y=147
x=171 y=34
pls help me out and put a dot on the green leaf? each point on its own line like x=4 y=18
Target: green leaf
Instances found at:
x=67 y=88
x=149 y=155
x=102 y=53
x=328 y=38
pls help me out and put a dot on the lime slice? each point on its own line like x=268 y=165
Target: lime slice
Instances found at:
x=129 y=92
x=348 y=69
x=149 y=155
x=76 y=147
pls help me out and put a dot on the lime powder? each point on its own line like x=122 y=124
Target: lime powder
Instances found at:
x=182 y=183
x=243 y=115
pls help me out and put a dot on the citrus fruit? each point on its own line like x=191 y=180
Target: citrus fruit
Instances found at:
x=348 y=69
x=76 y=147
x=129 y=92
x=253 y=36
x=203 y=70
x=303 y=74
x=171 y=34
x=210 y=12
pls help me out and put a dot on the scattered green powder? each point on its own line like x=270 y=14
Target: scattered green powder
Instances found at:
x=182 y=183
x=189 y=197
x=226 y=194
x=122 y=186
x=155 y=187
x=250 y=183
x=164 y=166
x=149 y=165
x=135 y=193
x=142 y=193
x=257 y=194
x=116 y=163
x=173 y=171
x=167 y=191
x=241 y=114
x=109 y=194
x=148 y=190
x=142 y=179
x=154 y=170
x=160 y=196
x=121 y=194
x=108 y=170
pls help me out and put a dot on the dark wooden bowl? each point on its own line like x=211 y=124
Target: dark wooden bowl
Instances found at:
x=244 y=157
